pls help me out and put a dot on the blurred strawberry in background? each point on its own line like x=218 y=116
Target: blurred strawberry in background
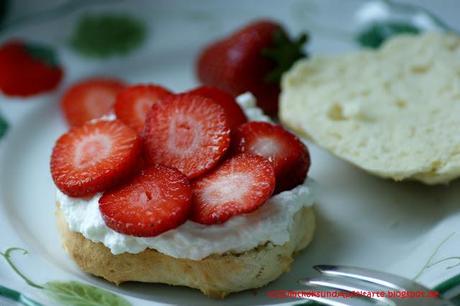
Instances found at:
x=251 y=59
x=90 y=99
x=28 y=69
x=133 y=103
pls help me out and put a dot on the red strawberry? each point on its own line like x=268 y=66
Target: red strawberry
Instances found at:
x=28 y=69
x=187 y=132
x=90 y=99
x=133 y=103
x=94 y=157
x=233 y=111
x=251 y=59
x=157 y=200
x=288 y=155
x=240 y=185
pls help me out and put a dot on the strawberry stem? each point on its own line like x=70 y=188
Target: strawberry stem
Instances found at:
x=284 y=53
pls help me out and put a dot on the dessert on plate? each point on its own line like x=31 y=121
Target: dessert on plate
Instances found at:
x=190 y=189
x=390 y=111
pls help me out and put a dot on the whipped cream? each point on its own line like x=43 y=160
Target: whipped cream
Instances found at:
x=271 y=222
x=248 y=103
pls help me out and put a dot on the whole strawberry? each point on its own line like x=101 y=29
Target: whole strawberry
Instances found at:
x=251 y=59
x=27 y=69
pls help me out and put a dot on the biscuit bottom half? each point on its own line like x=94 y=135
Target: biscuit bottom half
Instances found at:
x=216 y=275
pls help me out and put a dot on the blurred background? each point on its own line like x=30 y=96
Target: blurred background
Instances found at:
x=176 y=30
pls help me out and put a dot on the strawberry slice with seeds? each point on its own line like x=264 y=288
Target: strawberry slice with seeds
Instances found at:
x=94 y=157
x=288 y=155
x=90 y=99
x=240 y=185
x=133 y=103
x=187 y=132
x=157 y=200
x=235 y=114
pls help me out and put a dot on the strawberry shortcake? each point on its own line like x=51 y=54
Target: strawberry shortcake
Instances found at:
x=193 y=189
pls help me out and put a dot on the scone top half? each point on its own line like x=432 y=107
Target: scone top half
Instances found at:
x=392 y=112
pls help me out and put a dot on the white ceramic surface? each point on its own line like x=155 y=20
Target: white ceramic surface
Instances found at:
x=362 y=220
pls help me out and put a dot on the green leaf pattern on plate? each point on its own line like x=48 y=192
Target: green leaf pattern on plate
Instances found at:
x=378 y=32
x=74 y=293
x=398 y=18
x=105 y=35
x=17 y=297
x=69 y=293
x=4 y=8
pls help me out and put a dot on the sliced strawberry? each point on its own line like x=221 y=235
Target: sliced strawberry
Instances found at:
x=94 y=157
x=157 y=200
x=235 y=114
x=133 y=103
x=188 y=132
x=90 y=99
x=288 y=155
x=240 y=185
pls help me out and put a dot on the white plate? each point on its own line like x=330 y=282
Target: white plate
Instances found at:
x=362 y=220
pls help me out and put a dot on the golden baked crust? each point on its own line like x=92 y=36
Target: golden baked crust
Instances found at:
x=216 y=275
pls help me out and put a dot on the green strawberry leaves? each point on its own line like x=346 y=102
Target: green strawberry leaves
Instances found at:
x=69 y=293
x=284 y=53
x=3 y=126
x=43 y=53
x=105 y=35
